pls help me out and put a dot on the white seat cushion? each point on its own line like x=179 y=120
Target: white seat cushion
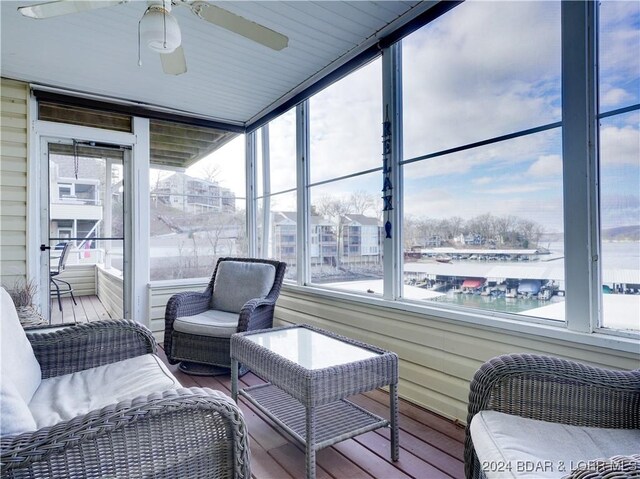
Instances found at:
x=215 y=323
x=237 y=282
x=64 y=397
x=511 y=446
x=18 y=364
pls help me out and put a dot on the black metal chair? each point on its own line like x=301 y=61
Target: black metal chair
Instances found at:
x=61 y=286
x=241 y=296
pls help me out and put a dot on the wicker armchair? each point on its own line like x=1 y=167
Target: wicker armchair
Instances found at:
x=208 y=343
x=558 y=391
x=176 y=433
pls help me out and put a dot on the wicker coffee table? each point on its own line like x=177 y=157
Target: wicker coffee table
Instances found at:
x=310 y=372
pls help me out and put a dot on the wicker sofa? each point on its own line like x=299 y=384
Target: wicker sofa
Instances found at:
x=535 y=416
x=94 y=401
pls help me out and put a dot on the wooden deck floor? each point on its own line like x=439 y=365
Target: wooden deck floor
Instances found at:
x=89 y=308
x=430 y=446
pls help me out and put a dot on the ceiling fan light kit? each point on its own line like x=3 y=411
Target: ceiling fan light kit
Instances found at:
x=159 y=30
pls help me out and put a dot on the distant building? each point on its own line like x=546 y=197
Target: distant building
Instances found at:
x=193 y=195
x=435 y=240
x=324 y=244
x=474 y=239
x=360 y=239
x=284 y=233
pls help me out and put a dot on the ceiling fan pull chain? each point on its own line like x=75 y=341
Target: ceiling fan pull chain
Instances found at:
x=139 y=54
x=164 y=24
x=75 y=158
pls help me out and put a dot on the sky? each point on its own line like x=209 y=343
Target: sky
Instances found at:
x=482 y=70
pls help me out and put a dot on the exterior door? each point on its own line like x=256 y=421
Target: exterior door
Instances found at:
x=84 y=254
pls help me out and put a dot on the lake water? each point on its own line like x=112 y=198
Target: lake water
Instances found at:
x=615 y=255
x=509 y=305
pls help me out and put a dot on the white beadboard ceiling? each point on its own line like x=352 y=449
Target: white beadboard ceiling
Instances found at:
x=229 y=78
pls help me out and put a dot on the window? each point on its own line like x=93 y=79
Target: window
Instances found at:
x=64 y=190
x=619 y=162
x=345 y=166
x=277 y=200
x=497 y=218
x=483 y=224
x=199 y=215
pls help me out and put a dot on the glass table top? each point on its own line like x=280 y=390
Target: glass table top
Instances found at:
x=310 y=349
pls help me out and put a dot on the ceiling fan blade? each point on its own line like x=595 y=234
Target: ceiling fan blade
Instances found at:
x=174 y=63
x=64 y=7
x=237 y=24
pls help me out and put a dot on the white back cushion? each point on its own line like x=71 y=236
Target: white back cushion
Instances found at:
x=18 y=364
x=15 y=416
x=237 y=282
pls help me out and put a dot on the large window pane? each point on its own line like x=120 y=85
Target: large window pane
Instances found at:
x=619 y=59
x=482 y=70
x=198 y=216
x=277 y=198
x=346 y=125
x=620 y=220
x=345 y=122
x=346 y=234
x=282 y=154
x=619 y=163
x=483 y=228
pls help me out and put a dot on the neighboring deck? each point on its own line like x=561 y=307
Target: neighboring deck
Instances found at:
x=430 y=446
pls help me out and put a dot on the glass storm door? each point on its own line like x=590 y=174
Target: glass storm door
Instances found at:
x=83 y=247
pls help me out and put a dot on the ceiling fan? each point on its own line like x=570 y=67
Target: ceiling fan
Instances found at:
x=159 y=29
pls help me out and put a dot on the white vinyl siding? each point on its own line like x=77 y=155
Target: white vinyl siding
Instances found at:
x=109 y=288
x=13 y=182
x=81 y=277
x=159 y=294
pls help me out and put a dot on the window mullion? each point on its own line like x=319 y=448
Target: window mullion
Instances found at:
x=266 y=193
x=579 y=102
x=392 y=156
x=251 y=201
x=303 y=207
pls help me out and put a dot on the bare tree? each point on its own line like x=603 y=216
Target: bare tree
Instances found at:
x=453 y=227
x=410 y=232
x=361 y=202
x=482 y=225
x=530 y=233
x=427 y=229
x=209 y=172
x=215 y=231
x=331 y=207
x=505 y=228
